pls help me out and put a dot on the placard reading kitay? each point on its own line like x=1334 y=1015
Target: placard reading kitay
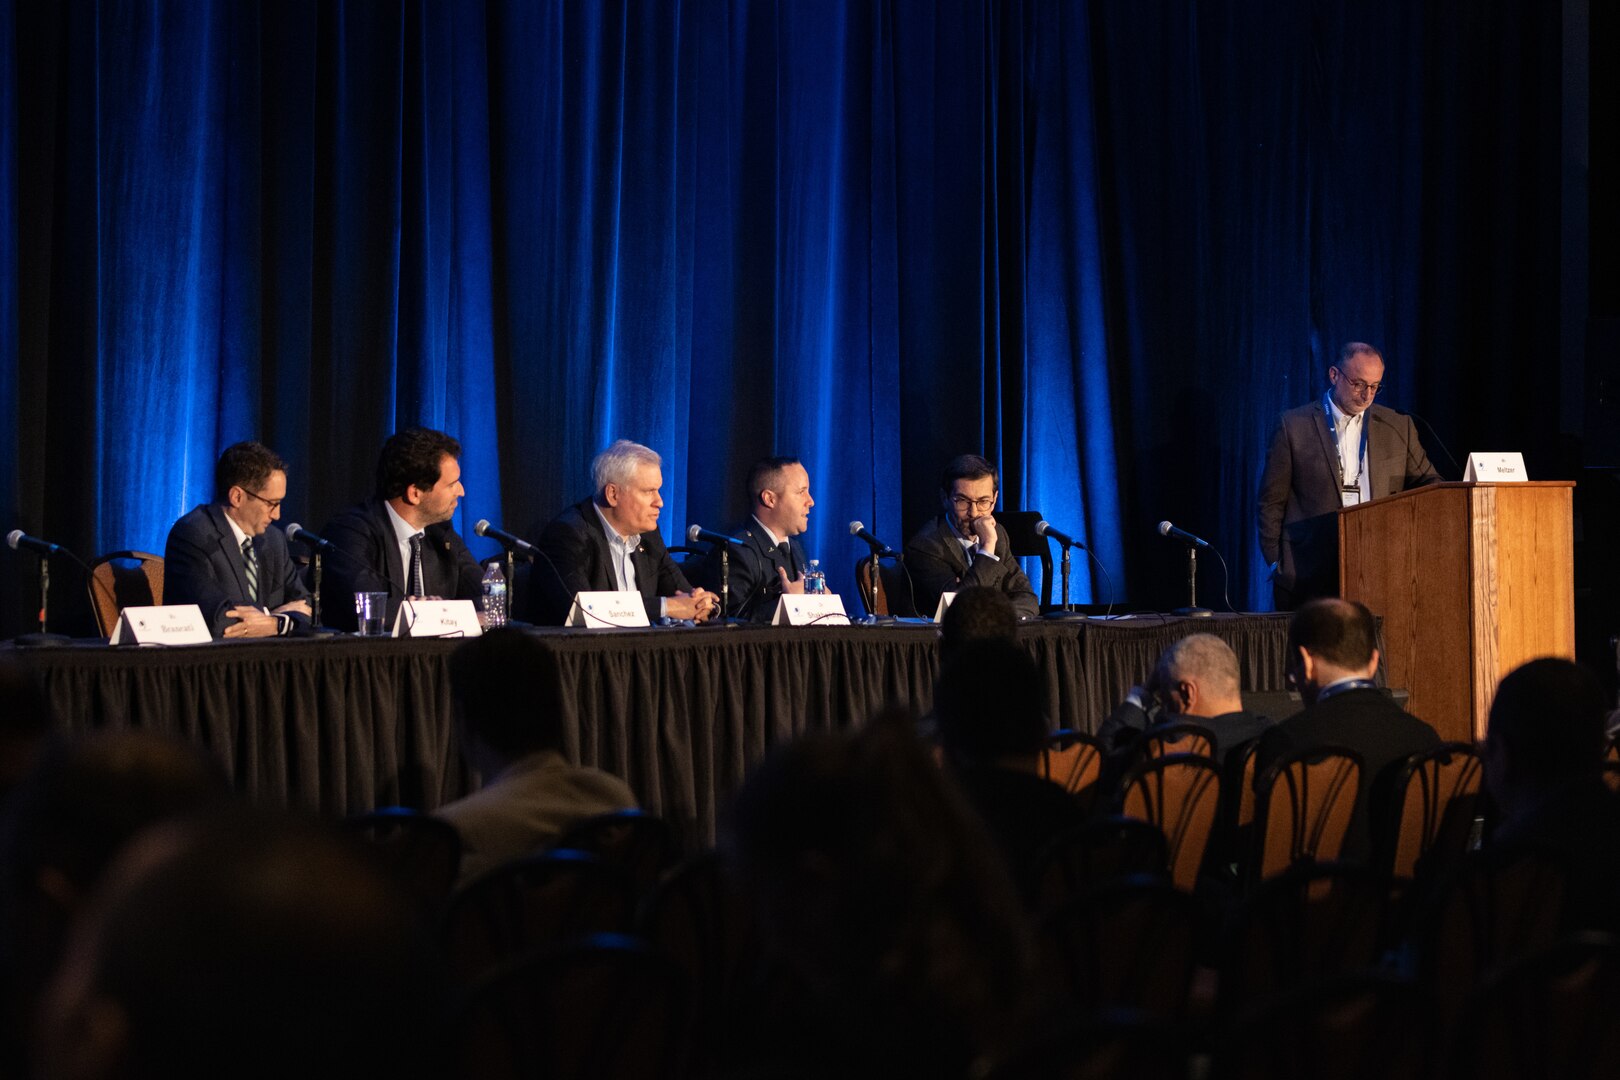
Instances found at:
x=437 y=618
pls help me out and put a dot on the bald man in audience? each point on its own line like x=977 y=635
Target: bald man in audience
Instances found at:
x=1195 y=679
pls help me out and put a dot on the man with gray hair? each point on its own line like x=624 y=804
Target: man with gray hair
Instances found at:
x=1195 y=679
x=610 y=542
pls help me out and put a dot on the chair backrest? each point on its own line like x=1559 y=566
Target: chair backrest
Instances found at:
x=1303 y=807
x=1025 y=542
x=888 y=592
x=1179 y=737
x=422 y=851
x=1130 y=944
x=530 y=902
x=1074 y=760
x=1095 y=854
x=602 y=1006
x=642 y=844
x=116 y=585
x=1180 y=793
x=1427 y=789
x=1611 y=746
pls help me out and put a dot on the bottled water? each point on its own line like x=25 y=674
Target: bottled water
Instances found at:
x=494 y=596
x=814 y=580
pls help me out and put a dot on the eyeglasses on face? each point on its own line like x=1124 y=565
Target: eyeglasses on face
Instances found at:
x=274 y=504
x=1360 y=385
x=962 y=502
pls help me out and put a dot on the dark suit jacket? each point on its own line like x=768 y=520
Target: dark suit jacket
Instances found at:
x=581 y=562
x=1299 y=493
x=203 y=565
x=938 y=564
x=1367 y=721
x=367 y=559
x=755 y=585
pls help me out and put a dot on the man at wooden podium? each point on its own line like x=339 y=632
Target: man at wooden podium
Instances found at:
x=1338 y=451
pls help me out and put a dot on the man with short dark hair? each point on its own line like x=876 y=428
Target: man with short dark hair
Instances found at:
x=400 y=542
x=1335 y=452
x=1332 y=658
x=771 y=561
x=963 y=546
x=610 y=543
x=514 y=739
x=224 y=557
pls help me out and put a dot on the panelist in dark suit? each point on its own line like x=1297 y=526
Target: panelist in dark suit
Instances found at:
x=771 y=561
x=1336 y=452
x=963 y=546
x=610 y=543
x=400 y=542
x=224 y=557
x=1332 y=658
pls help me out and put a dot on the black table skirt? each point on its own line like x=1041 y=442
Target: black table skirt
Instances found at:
x=340 y=725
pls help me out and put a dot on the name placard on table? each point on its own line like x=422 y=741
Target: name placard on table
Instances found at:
x=945 y=600
x=437 y=618
x=819 y=609
x=607 y=609
x=170 y=624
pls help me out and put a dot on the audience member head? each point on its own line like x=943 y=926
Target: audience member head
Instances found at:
x=1198 y=677
x=779 y=495
x=628 y=478
x=419 y=474
x=503 y=685
x=1330 y=640
x=989 y=707
x=1546 y=730
x=25 y=721
x=979 y=613
x=881 y=892
x=250 y=482
x=243 y=946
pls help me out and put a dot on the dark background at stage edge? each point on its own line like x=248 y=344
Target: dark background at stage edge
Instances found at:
x=1497 y=195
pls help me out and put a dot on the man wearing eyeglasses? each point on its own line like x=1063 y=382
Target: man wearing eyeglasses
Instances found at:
x=224 y=557
x=964 y=546
x=1338 y=451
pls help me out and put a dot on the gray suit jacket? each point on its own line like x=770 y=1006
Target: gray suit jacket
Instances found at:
x=1299 y=493
x=202 y=565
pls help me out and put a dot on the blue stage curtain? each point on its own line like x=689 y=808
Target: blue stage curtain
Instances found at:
x=1102 y=243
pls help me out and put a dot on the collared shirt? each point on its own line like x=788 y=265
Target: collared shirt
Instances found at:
x=971 y=549
x=776 y=541
x=236 y=530
x=1349 y=436
x=283 y=622
x=621 y=548
x=403 y=531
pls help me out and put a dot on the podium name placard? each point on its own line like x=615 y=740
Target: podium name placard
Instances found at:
x=172 y=624
x=437 y=618
x=819 y=609
x=1495 y=468
x=607 y=609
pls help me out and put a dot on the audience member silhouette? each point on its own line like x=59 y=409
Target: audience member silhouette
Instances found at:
x=1195 y=679
x=896 y=939
x=25 y=720
x=1543 y=758
x=249 y=947
x=992 y=729
x=1332 y=658
x=979 y=613
x=81 y=803
x=508 y=722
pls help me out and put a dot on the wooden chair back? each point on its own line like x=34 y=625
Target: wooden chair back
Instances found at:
x=1303 y=807
x=1179 y=737
x=1180 y=793
x=1427 y=789
x=1074 y=760
x=116 y=585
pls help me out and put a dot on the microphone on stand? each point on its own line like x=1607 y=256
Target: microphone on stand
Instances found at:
x=297 y=532
x=697 y=533
x=504 y=538
x=17 y=540
x=1169 y=530
x=878 y=547
x=1044 y=528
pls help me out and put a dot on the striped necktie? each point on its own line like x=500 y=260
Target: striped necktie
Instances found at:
x=252 y=570
x=417 y=588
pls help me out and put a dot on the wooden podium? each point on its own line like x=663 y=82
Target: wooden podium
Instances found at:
x=1471 y=580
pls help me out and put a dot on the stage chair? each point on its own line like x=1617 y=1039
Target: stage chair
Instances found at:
x=534 y=901
x=892 y=595
x=1130 y=944
x=603 y=1006
x=424 y=852
x=642 y=844
x=1096 y=854
x=1074 y=760
x=1431 y=802
x=115 y=585
x=1179 y=793
x=1302 y=809
x=1026 y=543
